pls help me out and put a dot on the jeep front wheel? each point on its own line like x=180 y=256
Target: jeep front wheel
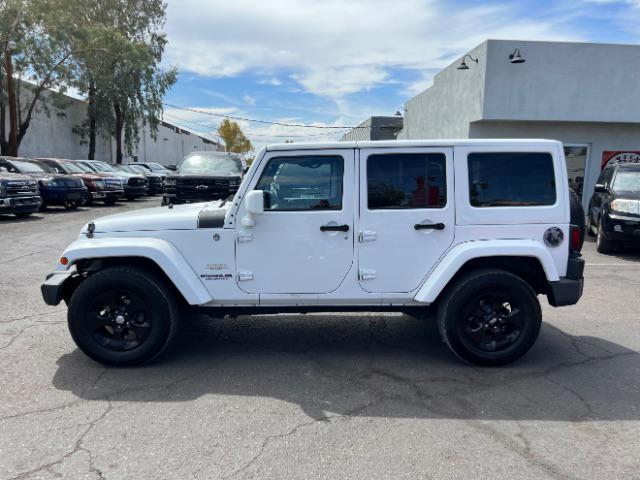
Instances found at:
x=489 y=317
x=122 y=316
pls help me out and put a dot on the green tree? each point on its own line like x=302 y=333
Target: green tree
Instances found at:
x=125 y=86
x=36 y=54
x=234 y=140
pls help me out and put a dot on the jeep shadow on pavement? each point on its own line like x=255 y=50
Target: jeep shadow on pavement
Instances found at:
x=392 y=367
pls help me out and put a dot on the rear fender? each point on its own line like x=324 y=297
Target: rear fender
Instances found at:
x=159 y=251
x=460 y=254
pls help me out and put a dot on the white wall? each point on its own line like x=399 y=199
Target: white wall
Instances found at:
x=52 y=136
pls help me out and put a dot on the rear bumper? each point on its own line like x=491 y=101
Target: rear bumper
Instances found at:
x=568 y=290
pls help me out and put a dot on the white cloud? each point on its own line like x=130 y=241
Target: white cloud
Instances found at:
x=335 y=48
x=249 y=100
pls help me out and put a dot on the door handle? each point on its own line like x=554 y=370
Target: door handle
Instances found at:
x=334 y=228
x=429 y=226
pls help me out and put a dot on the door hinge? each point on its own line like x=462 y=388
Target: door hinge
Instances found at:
x=245 y=276
x=244 y=237
x=367 y=236
x=366 y=274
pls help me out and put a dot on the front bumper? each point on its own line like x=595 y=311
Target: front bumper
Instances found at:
x=102 y=195
x=621 y=228
x=20 y=204
x=568 y=290
x=135 y=191
x=53 y=289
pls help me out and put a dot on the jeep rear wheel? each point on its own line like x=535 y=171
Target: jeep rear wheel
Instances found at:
x=489 y=317
x=122 y=316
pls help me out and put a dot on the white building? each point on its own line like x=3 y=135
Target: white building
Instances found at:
x=53 y=136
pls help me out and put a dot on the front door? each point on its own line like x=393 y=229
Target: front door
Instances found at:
x=406 y=216
x=303 y=242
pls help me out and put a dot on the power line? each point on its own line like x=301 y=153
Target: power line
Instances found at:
x=204 y=128
x=266 y=122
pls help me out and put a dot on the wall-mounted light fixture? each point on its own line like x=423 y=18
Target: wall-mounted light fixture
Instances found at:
x=516 y=57
x=401 y=111
x=463 y=65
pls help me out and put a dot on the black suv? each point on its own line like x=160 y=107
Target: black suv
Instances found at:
x=614 y=209
x=204 y=176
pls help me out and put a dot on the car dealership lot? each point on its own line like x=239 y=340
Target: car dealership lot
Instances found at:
x=315 y=396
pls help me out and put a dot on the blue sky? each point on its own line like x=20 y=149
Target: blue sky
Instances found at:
x=337 y=62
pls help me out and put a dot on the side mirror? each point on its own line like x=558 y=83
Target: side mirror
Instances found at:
x=600 y=188
x=254 y=205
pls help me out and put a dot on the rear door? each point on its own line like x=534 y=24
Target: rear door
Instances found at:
x=407 y=215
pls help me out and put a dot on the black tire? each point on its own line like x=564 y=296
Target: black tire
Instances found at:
x=589 y=227
x=577 y=215
x=130 y=198
x=23 y=214
x=110 y=201
x=514 y=310
x=98 y=314
x=603 y=245
x=70 y=205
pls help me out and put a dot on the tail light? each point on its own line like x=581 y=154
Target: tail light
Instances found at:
x=576 y=239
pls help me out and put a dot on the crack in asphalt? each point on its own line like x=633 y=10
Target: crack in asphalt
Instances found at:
x=76 y=448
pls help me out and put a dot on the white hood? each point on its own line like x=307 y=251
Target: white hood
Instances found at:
x=179 y=217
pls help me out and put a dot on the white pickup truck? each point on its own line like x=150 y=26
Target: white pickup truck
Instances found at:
x=473 y=230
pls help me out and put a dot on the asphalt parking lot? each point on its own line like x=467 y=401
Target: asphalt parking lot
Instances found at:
x=315 y=396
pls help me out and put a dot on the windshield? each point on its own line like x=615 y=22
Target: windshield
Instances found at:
x=627 y=181
x=84 y=167
x=67 y=167
x=206 y=163
x=31 y=167
x=103 y=167
x=126 y=168
x=156 y=167
x=138 y=169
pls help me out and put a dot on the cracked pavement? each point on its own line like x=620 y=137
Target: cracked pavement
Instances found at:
x=357 y=396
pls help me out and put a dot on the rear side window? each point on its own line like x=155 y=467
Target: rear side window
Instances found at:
x=505 y=179
x=406 y=180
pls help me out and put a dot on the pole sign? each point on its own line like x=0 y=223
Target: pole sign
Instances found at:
x=620 y=157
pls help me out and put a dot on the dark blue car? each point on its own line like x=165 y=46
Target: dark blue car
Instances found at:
x=55 y=189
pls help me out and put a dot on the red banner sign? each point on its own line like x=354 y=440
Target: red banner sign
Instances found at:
x=620 y=156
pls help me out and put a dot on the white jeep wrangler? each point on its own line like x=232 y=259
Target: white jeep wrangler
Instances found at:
x=475 y=228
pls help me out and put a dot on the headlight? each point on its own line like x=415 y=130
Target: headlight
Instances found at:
x=626 y=206
x=3 y=189
x=170 y=182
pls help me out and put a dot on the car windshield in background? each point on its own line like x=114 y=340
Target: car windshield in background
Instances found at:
x=103 y=167
x=68 y=167
x=137 y=169
x=84 y=167
x=156 y=167
x=126 y=168
x=627 y=181
x=206 y=163
x=31 y=167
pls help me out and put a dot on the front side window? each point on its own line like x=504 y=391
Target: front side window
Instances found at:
x=30 y=167
x=303 y=183
x=511 y=179
x=406 y=180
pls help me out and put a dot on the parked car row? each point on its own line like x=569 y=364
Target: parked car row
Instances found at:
x=28 y=185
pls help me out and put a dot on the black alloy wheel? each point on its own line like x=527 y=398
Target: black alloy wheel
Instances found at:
x=119 y=320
